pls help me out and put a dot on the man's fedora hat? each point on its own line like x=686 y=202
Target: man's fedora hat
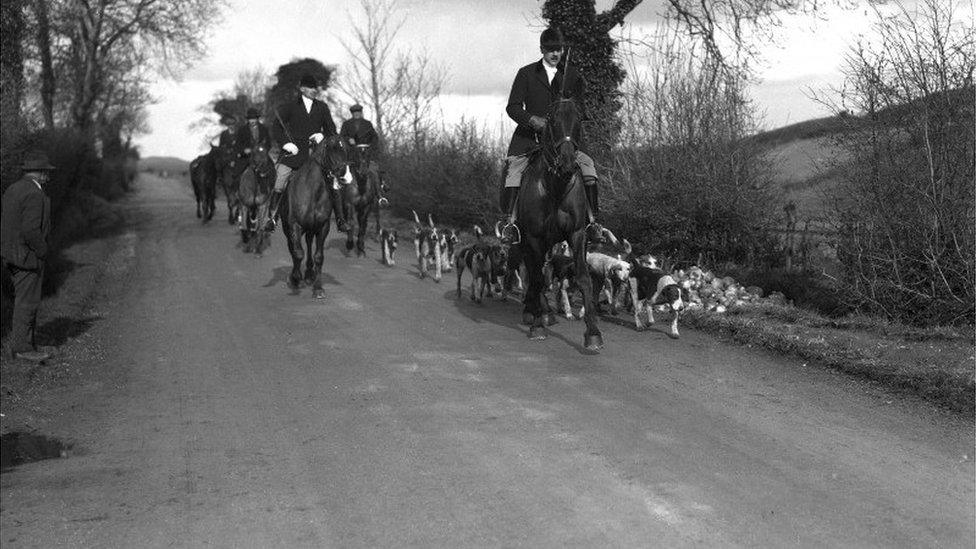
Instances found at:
x=36 y=161
x=356 y=108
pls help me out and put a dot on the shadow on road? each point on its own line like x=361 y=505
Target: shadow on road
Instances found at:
x=58 y=331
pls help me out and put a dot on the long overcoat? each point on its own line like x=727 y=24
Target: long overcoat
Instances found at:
x=301 y=124
x=25 y=224
x=532 y=94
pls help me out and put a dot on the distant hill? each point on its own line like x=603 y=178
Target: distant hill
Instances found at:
x=163 y=163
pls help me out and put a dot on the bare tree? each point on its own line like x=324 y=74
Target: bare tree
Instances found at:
x=371 y=78
x=905 y=207
x=418 y=82
x=171 y=34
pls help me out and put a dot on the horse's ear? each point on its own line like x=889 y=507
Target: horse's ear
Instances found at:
x=430 y=219
x=498 y=232
x=416 y=218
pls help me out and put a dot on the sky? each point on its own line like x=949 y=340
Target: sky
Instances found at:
x=480 y=44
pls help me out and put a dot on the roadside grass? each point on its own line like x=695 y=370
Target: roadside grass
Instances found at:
x=935 y=363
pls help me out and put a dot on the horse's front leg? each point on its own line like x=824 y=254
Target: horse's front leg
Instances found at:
x=592 y=338
x=318 y=258
x=294 y=240
x=363 y=218
x=533 y=312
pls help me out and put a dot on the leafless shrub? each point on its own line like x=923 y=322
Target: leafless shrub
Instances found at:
x=905 y=210
x=685 y=183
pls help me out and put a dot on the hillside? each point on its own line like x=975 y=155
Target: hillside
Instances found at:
x=169 y=164
x=801 y=156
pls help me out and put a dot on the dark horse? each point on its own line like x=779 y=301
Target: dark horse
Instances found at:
x=361 y=197
x=552 y=208
x=228 y=174
x=203 y=177
x=306 y=210
x=252 y=195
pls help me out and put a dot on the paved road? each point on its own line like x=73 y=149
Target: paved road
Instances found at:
x=391 y=414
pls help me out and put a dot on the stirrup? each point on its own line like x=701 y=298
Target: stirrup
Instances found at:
x=508 y=228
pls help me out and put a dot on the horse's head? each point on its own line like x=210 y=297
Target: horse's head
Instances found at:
x=330 y=155
x=562 y=133
x=260 y=159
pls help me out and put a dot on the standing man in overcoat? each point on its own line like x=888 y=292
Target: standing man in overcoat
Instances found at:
x=298 y=122
x=25 y=225
x=536 y=86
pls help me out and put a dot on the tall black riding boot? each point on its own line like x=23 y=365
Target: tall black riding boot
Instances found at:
x=592 y=196
x=275 y=202
x=339 y=211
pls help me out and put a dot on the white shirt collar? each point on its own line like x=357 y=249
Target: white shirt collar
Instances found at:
x=308 y=104
x=550 y=71
x=36 y=182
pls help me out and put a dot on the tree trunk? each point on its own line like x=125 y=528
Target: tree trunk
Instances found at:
x=47 y=67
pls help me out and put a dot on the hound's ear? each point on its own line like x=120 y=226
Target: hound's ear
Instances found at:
x=416 y=218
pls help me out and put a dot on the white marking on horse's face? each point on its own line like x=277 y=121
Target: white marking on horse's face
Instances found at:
x=622 y=271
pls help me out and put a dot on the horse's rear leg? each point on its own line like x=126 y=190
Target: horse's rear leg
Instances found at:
x=592 y=338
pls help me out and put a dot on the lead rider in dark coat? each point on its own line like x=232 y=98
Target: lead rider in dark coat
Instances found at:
x=536 y=86
x=298 y=122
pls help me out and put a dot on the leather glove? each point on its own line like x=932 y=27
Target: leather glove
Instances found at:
x=290 y=148
x=537 y=122
x=316 y=138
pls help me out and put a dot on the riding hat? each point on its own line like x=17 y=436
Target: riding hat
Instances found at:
x=35 y=161
x=356 y=108
x=552 y=37
x=252 y=114
x=308 y=81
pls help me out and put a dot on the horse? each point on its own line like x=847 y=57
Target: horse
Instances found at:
x=361 y=197
x=306 y=210
x=551 y=208
x=203 y=177
x=228 y=174
x=252 y=195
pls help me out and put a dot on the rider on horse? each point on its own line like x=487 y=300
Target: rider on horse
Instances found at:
x=536 y=86
x=252 y=134
x=300 y=121
x=358 y=131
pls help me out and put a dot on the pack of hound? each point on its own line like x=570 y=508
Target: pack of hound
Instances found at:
x=620 y=276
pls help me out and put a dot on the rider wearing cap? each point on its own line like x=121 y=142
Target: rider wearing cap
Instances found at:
x=359 y=131
x=536 y=86
x=252 y=134
x=299 y=122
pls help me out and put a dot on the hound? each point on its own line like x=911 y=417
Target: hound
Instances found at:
x=426 y=242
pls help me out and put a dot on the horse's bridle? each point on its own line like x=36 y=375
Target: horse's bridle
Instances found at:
x=550 y=149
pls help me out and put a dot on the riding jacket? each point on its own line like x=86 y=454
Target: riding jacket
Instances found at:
x=359 y=130
x=532 y=94
x=246 y=141
x=299 y=125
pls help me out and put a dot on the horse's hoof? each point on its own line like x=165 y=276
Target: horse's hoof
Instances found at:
x=593 y=342
x=673 y=335
x=537 y=333
x=319 y=294
x=528 y=318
